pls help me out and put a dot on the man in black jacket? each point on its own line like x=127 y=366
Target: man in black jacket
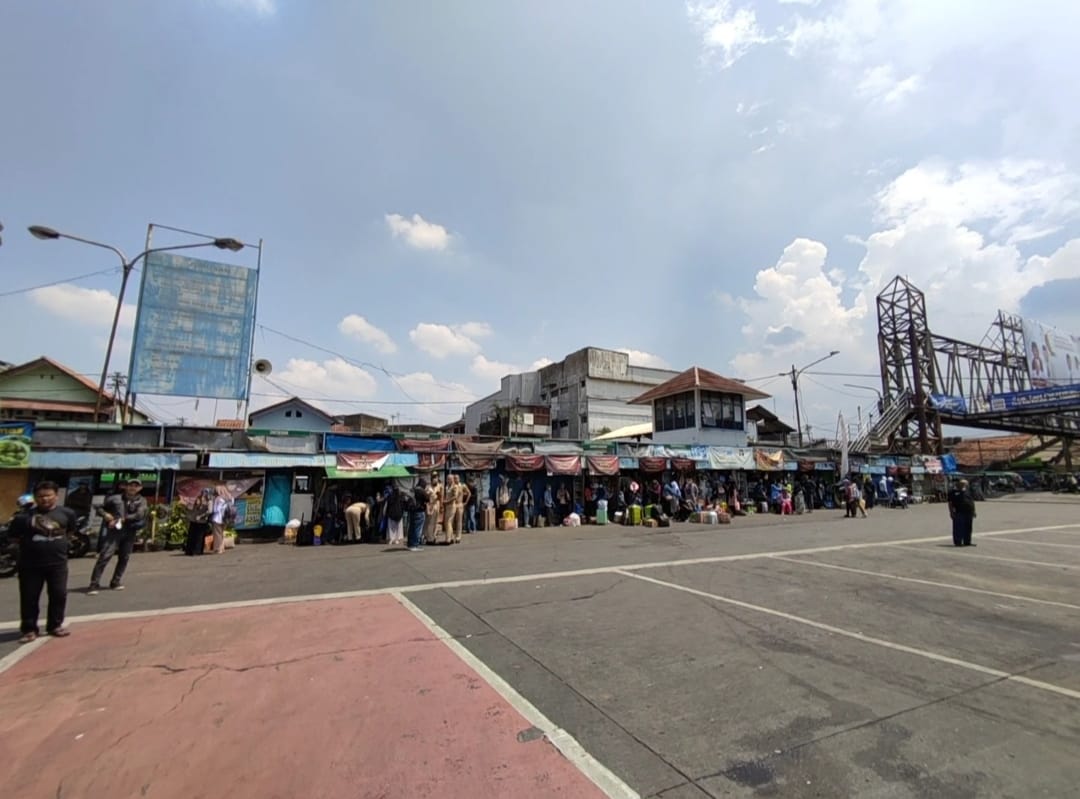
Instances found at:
x=125 y=515
x=962 y=512
x=42 y=533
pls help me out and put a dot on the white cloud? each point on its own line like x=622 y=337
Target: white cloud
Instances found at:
x=360 y=328
x=261 y=8
x=540 y=363
x=491 y=371
x=91 y=307
x=441 y=341
x=418 y=232
x=732 y=32
x=640 y=358
x=930 y=218
x=334 y=378
x=424 y=387
x=880 y=84
x=1021 y=200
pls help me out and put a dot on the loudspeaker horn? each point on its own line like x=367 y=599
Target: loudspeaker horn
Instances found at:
x=263 y=367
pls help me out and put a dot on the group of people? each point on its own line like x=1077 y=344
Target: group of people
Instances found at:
x=447 y=506
x=208 y=516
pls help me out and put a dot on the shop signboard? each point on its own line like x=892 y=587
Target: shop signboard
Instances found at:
x=1053 y=356
x=194 y=328
x=15 y=440
x=731 y=458
x=361 y=461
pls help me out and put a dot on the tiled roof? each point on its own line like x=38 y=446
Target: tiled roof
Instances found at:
x=696 y=377
x=990 y=450
x=87 y=382
x=230 y=424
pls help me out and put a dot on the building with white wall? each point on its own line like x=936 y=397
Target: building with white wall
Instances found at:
x=583 y=395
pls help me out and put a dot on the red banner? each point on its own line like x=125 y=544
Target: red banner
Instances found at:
x=524 y=463
x=563 y=464
x=431 y=453
x=361 y=461
x=603 y=464
x=652 y=464
x=683 y=464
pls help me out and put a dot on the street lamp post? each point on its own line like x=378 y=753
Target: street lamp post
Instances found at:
x=794 y=375
x=880 y=399
x=127 y=265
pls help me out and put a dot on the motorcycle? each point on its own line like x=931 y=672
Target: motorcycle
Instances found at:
x=81 y=543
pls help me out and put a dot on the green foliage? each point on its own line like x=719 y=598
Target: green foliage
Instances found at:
x=172 y=523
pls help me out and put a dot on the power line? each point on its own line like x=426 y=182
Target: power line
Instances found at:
x=842 y=374
x=13 y=292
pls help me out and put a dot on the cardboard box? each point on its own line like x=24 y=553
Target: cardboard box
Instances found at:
x=651 y=523
x=507 y=524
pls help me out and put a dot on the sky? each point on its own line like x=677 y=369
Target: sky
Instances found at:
x=448 y=192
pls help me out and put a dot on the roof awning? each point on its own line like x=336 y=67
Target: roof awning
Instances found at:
x=630 y=431
x=389 y=471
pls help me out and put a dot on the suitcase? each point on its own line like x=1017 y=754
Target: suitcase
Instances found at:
x=488 y=519
x=601 y=515
x=305 y=536
x=635 y=514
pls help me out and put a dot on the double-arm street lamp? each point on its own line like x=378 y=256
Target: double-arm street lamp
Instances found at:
x=127 y=265
x=794 y=375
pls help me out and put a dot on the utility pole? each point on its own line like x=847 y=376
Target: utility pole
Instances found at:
x=117 y=381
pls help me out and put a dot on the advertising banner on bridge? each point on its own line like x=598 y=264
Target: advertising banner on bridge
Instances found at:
x=1038 y=399
x=1053 y=356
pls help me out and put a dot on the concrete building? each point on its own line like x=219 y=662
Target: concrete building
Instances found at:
x=699 y=407
x=363 y=423
x=584 y=395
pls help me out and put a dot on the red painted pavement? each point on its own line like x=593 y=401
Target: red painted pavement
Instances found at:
x=352 y=698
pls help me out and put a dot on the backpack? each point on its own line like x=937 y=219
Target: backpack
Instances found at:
x=419 y=500
x=228 y=516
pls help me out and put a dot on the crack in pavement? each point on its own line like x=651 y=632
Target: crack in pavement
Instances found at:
x=542 y=602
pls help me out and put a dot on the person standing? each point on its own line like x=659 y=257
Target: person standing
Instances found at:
x=418 y=516
x=470 y=506
x=125 y=515
x=962 y=513
x=433 y=506
x=222 y=500
x=42 y=532
x=395 y=513
x=198 y=518
x=464 y=495
x=525 y=504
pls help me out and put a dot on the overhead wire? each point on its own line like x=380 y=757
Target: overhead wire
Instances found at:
x=13 y=292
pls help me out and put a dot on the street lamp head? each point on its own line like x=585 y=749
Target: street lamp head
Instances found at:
x=834 y=352
x=229 y=244
x=42 y=232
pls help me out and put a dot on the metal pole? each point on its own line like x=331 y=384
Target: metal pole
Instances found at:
x=798 y=416
x=112 y=337
x=251 y=353
x=129 y=397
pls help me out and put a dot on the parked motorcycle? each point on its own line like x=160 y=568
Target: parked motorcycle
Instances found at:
x=81 y=543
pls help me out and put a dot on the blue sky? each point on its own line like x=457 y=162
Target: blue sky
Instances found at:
x=450 y=190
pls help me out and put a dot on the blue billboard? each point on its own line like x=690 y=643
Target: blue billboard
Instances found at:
x=194 y=328
x=1054 y=398
x=948 y=403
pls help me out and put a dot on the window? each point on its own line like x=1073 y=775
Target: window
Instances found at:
x=288 y=414
x=723 y=411
x=674 y=413
x=299 y=414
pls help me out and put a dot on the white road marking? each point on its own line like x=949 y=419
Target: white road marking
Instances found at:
x=926 y=582
x=1038 y=543
x=518 y=578
x=868 y=639
x=970 y=554
x=11 y=658
x=599 y=774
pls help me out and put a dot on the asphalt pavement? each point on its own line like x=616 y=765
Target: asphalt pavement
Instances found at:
x=810 y=656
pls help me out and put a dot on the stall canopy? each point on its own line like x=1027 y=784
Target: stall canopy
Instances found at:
x=603 y=464
x=388 y=471
x=476 y=455
x=108 y=461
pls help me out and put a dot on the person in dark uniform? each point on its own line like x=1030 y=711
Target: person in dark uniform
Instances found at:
x=962 y=512
x=125 y=515
x=42 y=533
